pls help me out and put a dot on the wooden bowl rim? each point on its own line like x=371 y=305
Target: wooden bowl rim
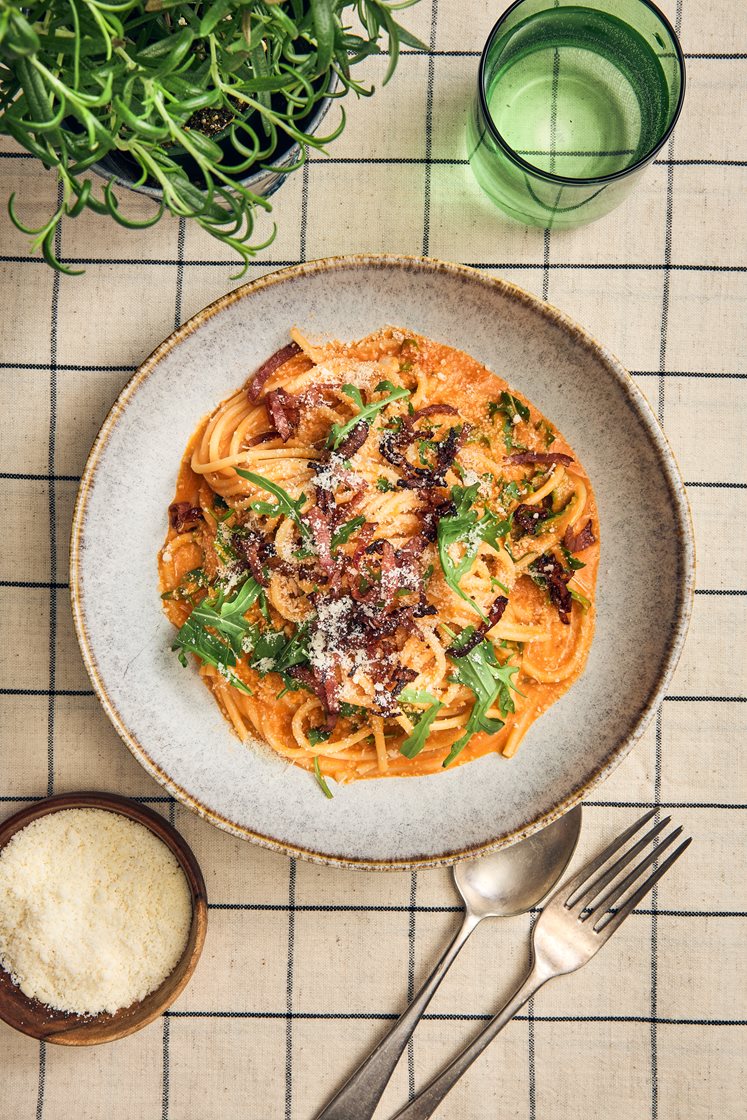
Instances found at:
x=94 y=1030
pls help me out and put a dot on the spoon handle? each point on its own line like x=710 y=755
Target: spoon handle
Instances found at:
x=359 y=1096
x=429 y=1098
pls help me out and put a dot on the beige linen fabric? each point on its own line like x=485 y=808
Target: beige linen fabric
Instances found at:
x=304 y=966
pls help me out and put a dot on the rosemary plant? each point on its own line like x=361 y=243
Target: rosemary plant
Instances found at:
x=150 y=82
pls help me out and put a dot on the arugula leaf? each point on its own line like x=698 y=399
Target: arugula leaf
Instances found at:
x=321 y=779
x=464 y=527
x=215 y=629
x=190 y=582
x=491 y=682
x=543 y=426
x=508 y=406
x=511 y=492
x=271 y=651
x=345 y=532
x=415 y=742
x=416 y=696
x=285 y=507
x=339 y=432
x=571 y=560
x=580 y=599
x=350 y=711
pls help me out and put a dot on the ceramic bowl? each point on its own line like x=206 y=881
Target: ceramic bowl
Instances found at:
x=166 y=715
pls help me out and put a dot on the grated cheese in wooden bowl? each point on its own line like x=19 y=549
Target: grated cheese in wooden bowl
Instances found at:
x=95 y=911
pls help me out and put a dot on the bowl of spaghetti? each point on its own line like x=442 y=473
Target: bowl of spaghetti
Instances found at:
x=367 y=500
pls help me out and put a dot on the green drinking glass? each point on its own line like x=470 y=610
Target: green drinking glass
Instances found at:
x=574 y=100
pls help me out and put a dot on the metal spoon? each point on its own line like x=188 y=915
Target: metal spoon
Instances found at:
x=507 y=882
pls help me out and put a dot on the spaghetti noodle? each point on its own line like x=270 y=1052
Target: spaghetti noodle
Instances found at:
x=382 y=557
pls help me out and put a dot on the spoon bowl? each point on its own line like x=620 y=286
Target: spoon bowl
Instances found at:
x=514 y=879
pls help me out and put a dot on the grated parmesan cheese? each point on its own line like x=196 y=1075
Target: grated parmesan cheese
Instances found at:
x=95 y=910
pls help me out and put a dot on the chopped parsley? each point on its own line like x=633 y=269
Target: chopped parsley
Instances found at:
x=383 y=485
x=339 y=432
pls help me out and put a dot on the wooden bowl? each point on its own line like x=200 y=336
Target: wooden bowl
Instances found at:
x=39 y=1021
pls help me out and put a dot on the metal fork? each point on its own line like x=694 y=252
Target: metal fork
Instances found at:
x=573 y=926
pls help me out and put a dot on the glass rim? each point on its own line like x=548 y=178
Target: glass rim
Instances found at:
x=566 y=180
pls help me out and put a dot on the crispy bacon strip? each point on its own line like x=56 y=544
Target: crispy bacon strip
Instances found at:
x=495 y=615
x=394 y=444
x=577 y=542
x=543 y=458
x=263 y=437
x=183 y=516
x=354 y=441
x=432 y=514
x=321 y=530
x=264 y=373
x=556 y=578
x=529 y=518
x=283 y=410
x=430 y=410
x=255 y=550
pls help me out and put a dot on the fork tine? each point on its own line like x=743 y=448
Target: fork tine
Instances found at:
x=610 y=896
x=591 y=888
x=572 y=885
x=570 y=888
x=608 y=923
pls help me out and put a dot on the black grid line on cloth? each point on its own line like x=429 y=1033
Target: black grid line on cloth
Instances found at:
x=289 y=1015
x=76 y=478
x=429 y=161
x=411 y=911
x=654 y=995
x=452 y=1017
x=145 y=800
x=523 y=266
x=425 y=243
x=703 y=698
x=52 y=510
x=354 y=907
x=166 y=1036
x=181 y=236
x=27 y=584
x=446 y=161
x=292 y=866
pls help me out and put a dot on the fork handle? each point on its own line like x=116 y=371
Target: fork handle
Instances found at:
x=428 y=1099
x=359 y=1096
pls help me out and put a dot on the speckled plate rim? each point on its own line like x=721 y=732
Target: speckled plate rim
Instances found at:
x=638 y=405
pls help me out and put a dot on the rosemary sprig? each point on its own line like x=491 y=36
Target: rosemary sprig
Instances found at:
x=81 y=80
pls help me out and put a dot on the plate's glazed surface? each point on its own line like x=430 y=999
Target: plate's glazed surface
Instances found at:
x=164 y=713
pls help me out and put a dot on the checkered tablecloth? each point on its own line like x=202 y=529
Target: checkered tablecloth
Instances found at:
x=304 y=966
